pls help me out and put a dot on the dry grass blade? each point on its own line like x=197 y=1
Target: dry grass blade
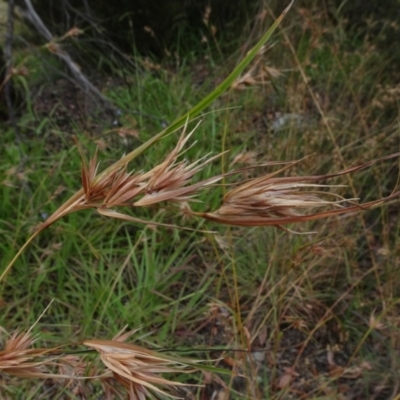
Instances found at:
x=128 y=218
x=137 y=368
x=258 y=74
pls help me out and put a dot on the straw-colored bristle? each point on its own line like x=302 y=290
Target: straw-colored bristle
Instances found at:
x=170 y=180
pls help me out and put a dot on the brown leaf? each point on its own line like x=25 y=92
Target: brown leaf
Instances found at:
x=336 y=371
x=285 y=380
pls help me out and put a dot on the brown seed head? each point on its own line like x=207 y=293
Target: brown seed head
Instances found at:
x=271 y=200
x=19 y=359
x=137 y=368
x=169 y=180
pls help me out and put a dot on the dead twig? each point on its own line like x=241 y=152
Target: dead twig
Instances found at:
x=31 y=15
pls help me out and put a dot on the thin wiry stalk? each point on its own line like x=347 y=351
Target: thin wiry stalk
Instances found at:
x=20 y=251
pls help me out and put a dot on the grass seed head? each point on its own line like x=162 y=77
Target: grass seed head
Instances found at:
x=169 y=181
x=137 y=369
x=271 y=200
x=19 y=359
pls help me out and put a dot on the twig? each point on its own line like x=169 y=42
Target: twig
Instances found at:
x=37 y=22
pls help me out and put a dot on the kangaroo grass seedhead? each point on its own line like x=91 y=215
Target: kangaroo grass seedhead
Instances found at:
x=271 y=200
x=18 y=358
x=168 y=181
x=116 y=187
x=137 y=368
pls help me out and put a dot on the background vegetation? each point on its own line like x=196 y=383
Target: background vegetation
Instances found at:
x=318 y=314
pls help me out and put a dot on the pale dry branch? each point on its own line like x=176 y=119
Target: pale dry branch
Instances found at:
x=53 y=46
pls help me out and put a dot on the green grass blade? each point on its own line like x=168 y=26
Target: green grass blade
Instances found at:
x=208 y=100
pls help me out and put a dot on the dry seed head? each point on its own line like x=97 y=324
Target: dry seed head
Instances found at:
x=137 y=368
x=124 y=188
x=259 y=202
x=168 y=181
x=268 y=199
x=271 y=200
x=19 y=359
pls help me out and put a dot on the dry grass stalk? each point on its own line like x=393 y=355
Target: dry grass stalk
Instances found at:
x=259 y=202
x=258 y=74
